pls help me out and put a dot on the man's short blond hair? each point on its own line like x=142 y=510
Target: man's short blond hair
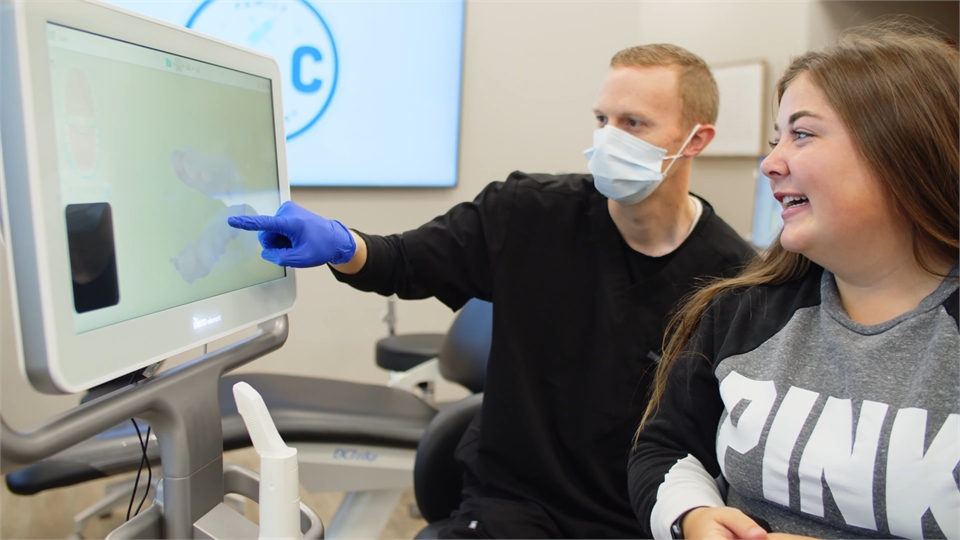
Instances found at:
x=698 y=90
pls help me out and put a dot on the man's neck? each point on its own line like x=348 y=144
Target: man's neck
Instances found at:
x=658 y=224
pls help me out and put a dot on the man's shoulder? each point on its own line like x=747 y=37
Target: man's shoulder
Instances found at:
x=533 y=185
x=547 y=196
x=552 y=203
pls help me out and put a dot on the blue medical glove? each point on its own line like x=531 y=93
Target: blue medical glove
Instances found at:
x=299 y=238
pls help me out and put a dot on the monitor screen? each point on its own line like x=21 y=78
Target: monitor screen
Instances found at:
x=127 y=144
x=766 y=212
x=154 y=152
x=371 y=90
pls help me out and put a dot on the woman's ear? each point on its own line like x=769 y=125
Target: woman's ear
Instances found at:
x=700 y=140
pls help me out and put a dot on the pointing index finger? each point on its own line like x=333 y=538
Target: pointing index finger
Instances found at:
x=256 y=223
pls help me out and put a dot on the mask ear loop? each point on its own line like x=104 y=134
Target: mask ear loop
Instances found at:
x=679 y=153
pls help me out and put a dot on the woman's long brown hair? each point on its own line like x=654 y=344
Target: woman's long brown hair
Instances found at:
x=896 y=86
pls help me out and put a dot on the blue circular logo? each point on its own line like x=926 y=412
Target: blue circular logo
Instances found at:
x=292 y=32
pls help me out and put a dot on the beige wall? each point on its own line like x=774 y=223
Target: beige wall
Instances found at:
x=532 y=70
x=835 y=15
x=724 y=32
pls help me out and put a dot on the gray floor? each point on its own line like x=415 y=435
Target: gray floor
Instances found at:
x=50 y=514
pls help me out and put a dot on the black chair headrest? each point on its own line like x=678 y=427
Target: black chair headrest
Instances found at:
x=464 y=353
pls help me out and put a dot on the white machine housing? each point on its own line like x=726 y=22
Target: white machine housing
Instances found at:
x=55 y=358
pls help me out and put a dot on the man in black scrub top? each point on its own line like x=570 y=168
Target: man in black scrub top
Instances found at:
x=583 y=271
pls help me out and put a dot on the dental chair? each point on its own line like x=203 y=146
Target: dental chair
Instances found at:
x=359 y=438
x=410 y=358
x=437 y=477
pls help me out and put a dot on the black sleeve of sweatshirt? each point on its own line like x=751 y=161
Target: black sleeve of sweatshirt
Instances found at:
x=685 y=424
x=453 y=257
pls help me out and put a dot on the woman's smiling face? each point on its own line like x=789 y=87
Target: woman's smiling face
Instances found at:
x=833 y=206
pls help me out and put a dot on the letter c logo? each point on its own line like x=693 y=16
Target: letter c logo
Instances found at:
x=306 y=50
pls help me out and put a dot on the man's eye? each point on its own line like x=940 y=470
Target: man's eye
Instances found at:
x=633 y=122
x=602 y=120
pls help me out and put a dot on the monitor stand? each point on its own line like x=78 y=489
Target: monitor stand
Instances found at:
x=181 y=405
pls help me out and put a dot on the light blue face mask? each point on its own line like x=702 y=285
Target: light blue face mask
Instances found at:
x=626 y=169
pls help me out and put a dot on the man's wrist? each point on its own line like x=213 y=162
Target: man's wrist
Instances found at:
x=359 y=258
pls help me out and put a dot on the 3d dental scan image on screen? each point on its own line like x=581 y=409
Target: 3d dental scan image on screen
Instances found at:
x=371 y=90
x=208 y=154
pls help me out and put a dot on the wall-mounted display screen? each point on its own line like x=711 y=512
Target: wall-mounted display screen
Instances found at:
x=371 y=90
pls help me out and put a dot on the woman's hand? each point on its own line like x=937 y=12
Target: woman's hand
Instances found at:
x=720 y=522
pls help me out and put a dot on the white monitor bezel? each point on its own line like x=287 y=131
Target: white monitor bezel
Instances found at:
x=55 y=358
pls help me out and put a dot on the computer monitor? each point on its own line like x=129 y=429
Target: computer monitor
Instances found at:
x=127 y=142
x=766 y=212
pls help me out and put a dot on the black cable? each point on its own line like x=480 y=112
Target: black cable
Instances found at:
x=143 y=459
x=149 y=473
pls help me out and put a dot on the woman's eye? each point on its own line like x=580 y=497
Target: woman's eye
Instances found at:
x=773 y=144
x=801 y=134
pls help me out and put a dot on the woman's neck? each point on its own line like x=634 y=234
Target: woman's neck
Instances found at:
x=872 y=295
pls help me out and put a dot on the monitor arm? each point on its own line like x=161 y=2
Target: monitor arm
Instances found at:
x=181 y=405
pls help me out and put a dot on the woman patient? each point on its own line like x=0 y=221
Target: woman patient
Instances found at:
x=817 y=393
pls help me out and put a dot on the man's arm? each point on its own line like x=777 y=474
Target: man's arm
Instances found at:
x=452 y=257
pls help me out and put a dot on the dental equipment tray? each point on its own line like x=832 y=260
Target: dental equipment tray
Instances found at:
x=304 y=409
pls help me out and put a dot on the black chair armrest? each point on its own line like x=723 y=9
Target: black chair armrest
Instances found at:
x=437 y=477
x=50 y=474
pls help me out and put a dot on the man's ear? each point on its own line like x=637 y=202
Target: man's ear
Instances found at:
x=700 y=140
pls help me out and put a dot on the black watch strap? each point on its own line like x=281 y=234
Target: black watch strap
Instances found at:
x=676 y=531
